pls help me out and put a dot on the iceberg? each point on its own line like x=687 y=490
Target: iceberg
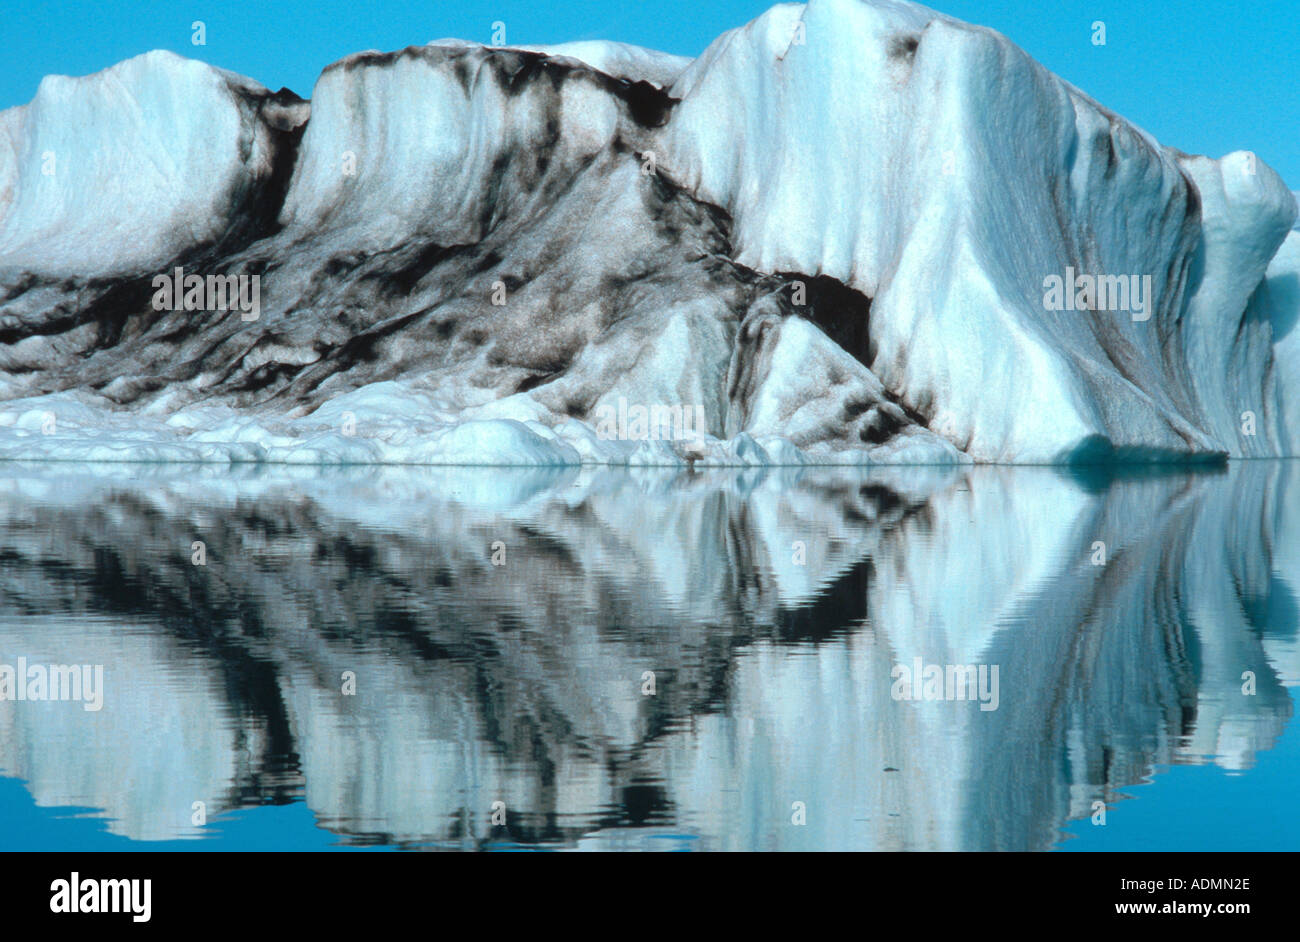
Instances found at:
x=849 y=232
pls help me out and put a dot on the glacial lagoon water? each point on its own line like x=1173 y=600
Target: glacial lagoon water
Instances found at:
x=423 y=658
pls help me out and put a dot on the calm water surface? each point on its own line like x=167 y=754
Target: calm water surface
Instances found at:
x=567 y=659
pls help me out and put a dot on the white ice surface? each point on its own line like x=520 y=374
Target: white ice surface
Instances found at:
x=392 y=423
x=1277 y=300
x=946 y=175
x=126 y=168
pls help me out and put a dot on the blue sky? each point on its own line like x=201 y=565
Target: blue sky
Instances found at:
x=1206 y=76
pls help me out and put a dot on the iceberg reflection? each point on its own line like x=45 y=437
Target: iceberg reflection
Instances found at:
x=502 y=629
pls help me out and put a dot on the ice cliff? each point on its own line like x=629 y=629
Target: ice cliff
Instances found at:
x=831 y=238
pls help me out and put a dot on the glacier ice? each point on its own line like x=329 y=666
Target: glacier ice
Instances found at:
x=830 y=234
x=1277 y=302
x=132 y=166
